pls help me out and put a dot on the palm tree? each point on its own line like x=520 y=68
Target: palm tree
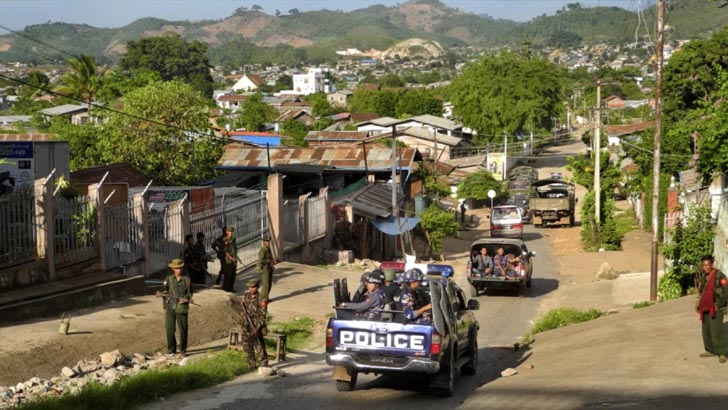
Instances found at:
x=83 y=81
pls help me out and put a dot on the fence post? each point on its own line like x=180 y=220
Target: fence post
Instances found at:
x=275 y=217
x=96 y=194
x=45 y=219
x=144 y=240
x=303 y=218
x=328 y=216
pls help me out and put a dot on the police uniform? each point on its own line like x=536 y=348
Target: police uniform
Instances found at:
x=414 y=299
x=265 y=268
x=372 y=305
x=253 y=342
x=176 y=311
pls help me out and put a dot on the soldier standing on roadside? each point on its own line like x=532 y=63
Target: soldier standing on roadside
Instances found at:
x=203 y=259
x=230 y=264
x=218 y=245
x=265 y=267
x=253 y=325
x=711 y=306
x=177 y=297
x=192 y=261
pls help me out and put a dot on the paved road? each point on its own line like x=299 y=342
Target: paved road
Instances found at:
x=308 y=385
x=503 y=318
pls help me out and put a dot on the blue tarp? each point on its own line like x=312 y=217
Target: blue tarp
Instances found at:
x=395 y=226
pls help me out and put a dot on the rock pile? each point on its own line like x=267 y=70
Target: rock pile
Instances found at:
x=106 y=369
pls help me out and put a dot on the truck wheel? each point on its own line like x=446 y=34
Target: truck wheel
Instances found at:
x=471 y=366
x=343 y=385
x=473 y=291
x=445 y=380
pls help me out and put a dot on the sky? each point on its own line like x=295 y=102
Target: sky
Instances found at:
x=16 y=14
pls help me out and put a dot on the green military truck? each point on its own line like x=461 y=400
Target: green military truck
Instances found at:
x=552 y=202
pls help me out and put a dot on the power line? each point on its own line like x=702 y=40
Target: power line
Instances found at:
x=95 y=105
x=17 y=33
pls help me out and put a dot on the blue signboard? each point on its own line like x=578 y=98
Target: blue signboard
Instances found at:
x=16 y=149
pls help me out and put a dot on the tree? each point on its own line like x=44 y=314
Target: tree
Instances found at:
x=83 y=81
x=391 y=80
x=380 y=102
x=173 y=58
x=477 y=185
x=256 y=8
x=508 y=92
x=293 y=12
x=278 y=13
x=255 y=113
x=164 y=132
x=84 y=142
x=414 y=102
x=320 y=105
x=690 y=242
x=438 y=225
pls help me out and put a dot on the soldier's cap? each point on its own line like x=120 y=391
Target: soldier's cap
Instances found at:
x=253 y=283
x=176 y=264
x=266 y=238
x=389 y=274
x=230 y=229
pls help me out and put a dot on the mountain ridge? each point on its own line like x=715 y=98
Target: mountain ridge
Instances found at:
x=373 y=27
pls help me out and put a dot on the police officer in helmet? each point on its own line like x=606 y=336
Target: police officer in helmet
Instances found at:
x=373 y=303
x=416 y=302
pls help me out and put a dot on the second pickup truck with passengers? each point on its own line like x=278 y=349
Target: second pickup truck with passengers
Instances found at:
x=552 y=201
x=393 y=346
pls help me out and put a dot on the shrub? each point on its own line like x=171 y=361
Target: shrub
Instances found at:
x=560 y=317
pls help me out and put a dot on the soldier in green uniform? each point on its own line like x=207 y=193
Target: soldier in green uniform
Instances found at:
x=202 y=256
x=265 y=267
x=230 y=261
x=253 y=313
x=192 y=261
x=177 y=297
x=711 y=306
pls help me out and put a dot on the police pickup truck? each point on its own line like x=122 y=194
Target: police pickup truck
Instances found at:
x=393 y=346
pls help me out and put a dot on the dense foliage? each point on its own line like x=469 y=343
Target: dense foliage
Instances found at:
x=173 y=58
x=509 y=93
x=696 y=88
x=438 y=225
x=477 y=185
x=164 y=132
x=688 y=245
x=398 y=103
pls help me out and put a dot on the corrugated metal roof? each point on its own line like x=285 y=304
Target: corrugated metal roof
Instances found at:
x=7 y=119
x=27 y=137
x=64 y=109
x=237 y=156
x=425 y=134
x=374 y=200
x=336 y=136
x=121 y=172
x=381 y=121
x=439 y=122
x=626 y=129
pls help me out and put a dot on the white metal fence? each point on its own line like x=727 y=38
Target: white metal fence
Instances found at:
x=316 y=221
x=17 y=228
x=123 y=229
x=292 y=225
x=74 y=229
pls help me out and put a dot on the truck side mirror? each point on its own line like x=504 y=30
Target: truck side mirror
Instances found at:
x=473 y=304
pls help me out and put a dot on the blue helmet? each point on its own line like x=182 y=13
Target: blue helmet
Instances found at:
x=412 y=275
x=376 y=277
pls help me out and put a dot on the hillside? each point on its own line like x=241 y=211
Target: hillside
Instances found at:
x=316 y=35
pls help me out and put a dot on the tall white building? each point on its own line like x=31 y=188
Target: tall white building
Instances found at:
x=310 y=83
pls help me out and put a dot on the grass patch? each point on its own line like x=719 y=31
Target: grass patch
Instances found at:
x=560 y=317
x=298 y=332
x=149 y=385
x=642 y=304
x=625 y=221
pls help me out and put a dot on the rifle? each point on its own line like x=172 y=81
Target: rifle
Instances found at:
x=263 y=329
x=172 y=297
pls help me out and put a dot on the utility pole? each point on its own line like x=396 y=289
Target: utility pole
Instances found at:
x=395 y=213
x=656 y=158
x=597 y=159
x=531 y=153
x=505 y=154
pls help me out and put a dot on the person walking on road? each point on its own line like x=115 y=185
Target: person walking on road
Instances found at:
x=230 y=261
x=711 y=306
x=177 y=297
x=265 y=267
x=253 y=310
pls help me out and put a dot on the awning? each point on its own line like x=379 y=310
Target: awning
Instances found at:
x=395 y=226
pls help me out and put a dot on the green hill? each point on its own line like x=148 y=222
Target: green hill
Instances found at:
x=252 y=35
